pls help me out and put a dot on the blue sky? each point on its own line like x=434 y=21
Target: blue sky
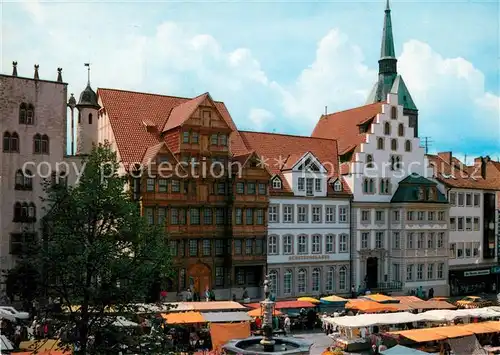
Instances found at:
x=277 y=64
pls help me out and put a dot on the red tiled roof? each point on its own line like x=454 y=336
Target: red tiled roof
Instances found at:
x=455 y=174
x=275 y=149
x=129 y=111
x=343 y=126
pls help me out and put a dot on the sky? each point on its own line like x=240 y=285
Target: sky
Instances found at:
x=275 y=64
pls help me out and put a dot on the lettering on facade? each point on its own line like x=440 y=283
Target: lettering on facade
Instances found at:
x=476 y=273
x=308 y=257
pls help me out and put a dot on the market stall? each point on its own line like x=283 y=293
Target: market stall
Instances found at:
x=367 y=306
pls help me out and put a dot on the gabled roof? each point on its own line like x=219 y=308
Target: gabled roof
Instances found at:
x=128 y=110
x=277 y=150
x=454 y=173
x=343 y=126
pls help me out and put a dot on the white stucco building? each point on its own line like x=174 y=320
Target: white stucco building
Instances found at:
x=33 y=127
x=472 y=242
x=308 y=235
x=399 y=216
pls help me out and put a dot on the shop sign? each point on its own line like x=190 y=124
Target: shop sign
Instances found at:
x=309 y=257
x=476 y=273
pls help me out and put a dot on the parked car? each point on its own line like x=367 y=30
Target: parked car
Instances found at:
x=15 y=312
x=473 y=302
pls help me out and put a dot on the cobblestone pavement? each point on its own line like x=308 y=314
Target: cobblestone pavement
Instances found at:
x=319 y=340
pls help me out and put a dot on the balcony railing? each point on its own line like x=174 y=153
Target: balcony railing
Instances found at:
x=388 y=286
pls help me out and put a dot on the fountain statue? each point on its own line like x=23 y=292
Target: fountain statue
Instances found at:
x=267 y=344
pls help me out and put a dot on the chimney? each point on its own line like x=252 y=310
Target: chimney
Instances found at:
x=484 y=161
x=14 y=68
x=59 y=75
x=36 y=72
x=446 y=156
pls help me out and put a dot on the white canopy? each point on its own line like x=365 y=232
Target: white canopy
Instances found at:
x=5 y=344
x=367 y=320
x=124 y=322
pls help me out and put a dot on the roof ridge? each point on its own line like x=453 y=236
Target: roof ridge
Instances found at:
x=161 y=95
x=352 y=109
x=288 y=135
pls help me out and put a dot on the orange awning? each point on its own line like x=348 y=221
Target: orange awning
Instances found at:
x=452 y=332
x=371 y=306
x=183 y=318
x=478 y=328
x=407 y=299
x=221 y=333
x=379 y=298
x=491 y=324
x=422 y=335
x=258 y=312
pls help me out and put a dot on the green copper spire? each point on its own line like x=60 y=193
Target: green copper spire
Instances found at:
x=387 y=49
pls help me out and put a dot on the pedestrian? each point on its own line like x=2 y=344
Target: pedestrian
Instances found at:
x=287 y=325
x=431 y=293
x=353 y=291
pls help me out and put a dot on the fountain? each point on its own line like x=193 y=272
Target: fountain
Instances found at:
x=267 y=344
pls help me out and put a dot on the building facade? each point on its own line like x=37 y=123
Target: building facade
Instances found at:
x=380 y=154
x=192 y=173
x=473 y=241
x=308 y=238
x=33 y=122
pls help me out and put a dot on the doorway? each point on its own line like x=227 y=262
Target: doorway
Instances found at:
x=371 y=273
x=199 y=278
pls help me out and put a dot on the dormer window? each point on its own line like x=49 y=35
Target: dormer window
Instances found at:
x=337 y=186
x=317 y=184
x=276 y=183
x=223 y=139
x=421 y=194
x=300 y=184
x=185 y=137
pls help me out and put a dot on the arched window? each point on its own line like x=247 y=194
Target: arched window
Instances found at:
x=394 y=144
x=316 y=280
x=372 y=186
x=380 y=143
x=19 y=181
x=401 y=130
x=37 y=144
x=45 y=144
x=330 y=279
x=14 y=143
x=90 y=118
x=6 y=142
x=288 y=282
x=398 y=162
x=408 y=146
x=387 y=129
x=17 y=212
x=24 y=211
x=30 y=114
x=343 y=278
x=272 y=245
x=273 y=277
x=32 y=212
x=28 y=180
x=22 y=113
x=369 y=161
x=301 y=281
x=394 y=112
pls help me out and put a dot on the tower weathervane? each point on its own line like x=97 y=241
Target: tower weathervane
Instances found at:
x=88 y=72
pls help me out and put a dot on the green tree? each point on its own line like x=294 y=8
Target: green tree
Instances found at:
x=97 y=251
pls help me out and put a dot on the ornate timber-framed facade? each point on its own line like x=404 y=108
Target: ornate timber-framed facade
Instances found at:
x=199 y=180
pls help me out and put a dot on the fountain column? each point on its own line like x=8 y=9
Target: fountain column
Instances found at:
x=267 y=311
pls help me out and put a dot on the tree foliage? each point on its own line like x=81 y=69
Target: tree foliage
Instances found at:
x=97 y=251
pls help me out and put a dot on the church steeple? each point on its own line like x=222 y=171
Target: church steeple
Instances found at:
x=387 y=50
x=388 y=62
x=388 y=79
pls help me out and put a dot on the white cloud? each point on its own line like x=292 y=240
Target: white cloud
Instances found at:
x=338 y=78
x=178 y=60
x=260 y=118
